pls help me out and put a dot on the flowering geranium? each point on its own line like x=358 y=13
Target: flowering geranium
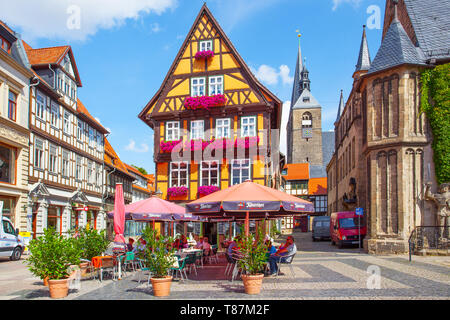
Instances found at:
x=222 y=143
x=247 y=142
x=204 y=54
x=177 y=191
x=168 y=146
x=205 y=190
x=205 y=102
x=194 y=145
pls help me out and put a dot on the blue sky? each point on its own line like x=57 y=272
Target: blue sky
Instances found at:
x=124 y=48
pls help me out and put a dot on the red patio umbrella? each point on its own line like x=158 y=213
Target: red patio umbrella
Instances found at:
x=119 y=214
x=249 y=198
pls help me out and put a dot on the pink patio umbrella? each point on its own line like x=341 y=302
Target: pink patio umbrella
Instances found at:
x=119 y=214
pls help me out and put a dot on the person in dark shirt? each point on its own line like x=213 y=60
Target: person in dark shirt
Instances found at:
x=283 y=254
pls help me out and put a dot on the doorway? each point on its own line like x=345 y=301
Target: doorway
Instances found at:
x=210 y=231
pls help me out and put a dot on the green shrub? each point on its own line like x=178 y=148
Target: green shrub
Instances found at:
x=158 y=252
x=254 y=253
x=51 y=255
x=91 y=242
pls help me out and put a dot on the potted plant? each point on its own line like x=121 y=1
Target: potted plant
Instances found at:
x=254 y=256
x=91 y=243
x=159 y=258
x=51 y=255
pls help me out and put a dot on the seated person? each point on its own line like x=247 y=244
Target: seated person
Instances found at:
x=206 y=247
x=177 y=244
x=270 y=248
x=141 y=246
x=288 y=249
x=183 y=242
x=199 y=244
x=130 y=245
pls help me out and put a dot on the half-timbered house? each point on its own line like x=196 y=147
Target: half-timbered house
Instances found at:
x=66 y=147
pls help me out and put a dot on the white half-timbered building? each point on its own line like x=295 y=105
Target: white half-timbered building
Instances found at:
x=66 y=166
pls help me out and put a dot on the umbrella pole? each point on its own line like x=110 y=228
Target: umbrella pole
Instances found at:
x=247 y=223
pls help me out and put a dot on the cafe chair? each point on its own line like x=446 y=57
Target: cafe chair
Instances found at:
x=212 y=255
x=283 y=260
x=142 y=269
x=230 y=264
x=181 y=268
x=199 y=257
x=129 y=261
x=190 y=261
x=237 y=269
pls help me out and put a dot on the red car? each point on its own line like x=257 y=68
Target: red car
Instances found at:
x=344 y=228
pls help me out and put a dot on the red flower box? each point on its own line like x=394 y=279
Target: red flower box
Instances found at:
x=204 y=54
x=177 y=191
x=205 y=102
x=205 y=190
x=247 y=142
x=168 y=146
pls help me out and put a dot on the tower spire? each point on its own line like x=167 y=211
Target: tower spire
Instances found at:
x=341 y=106
x=364 y=55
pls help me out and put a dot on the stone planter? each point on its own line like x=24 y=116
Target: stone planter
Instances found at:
x=161 y=286
x=252 y=283
x=58 y=288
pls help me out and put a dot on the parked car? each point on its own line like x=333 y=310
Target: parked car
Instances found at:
x=344 y=228
x=321 y=228
x=10 y=243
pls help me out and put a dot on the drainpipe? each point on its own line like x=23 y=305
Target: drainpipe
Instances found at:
x=54 y=75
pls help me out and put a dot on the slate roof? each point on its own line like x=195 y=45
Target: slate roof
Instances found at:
x=317 y=171
x=431 y=23
x=341 y=107
x=306 y=100
x=297 y=77
x=327 y=147
x=363 y=63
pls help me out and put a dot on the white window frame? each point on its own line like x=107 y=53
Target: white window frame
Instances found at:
x=205 y=45
x=209 y=169
x=99 y=140
x=91 y=137
x=98 y=174
x=79 y=130
x=79 y=165
x=251 y=132
x=54 y=117
x=215 y=86
x=52 y=158
x=39 y=153
x=198 y=89
x=172 y=133
x=197 y=130
x=240 y=164
x=66 y=124
x=221 y=125
x=40 y=106
x=90 y=171
x=179 y=171
x=65 y=163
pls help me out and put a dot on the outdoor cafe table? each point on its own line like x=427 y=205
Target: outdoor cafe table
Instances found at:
x=101 y=261
x=184 y=253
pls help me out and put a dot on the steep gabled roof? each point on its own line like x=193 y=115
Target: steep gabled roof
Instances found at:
x=296 y=171
x=52 y=55
x=306 y=100
x=264 y=92
x=341 y=106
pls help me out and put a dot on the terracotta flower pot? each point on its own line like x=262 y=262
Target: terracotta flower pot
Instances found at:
x=161 y=286
x=58 y=288
x=84 y=268
x=252 y=283
x=45 y=281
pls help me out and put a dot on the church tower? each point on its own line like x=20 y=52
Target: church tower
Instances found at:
x=304 y=129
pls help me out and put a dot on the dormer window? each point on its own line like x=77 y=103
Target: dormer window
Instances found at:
x=5 y=45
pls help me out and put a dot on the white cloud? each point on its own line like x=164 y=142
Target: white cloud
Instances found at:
x=271 y=76
x=155 y=27
x=132 y=147
x=284 y=122
x=337 y=3
x=75 y=19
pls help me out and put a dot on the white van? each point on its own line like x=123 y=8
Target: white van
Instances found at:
x=10 y=244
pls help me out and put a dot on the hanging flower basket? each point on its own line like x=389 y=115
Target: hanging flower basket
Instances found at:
x=205 y=190
x=205 y=102
x=177 y=191
x=168 y=146
x=204 y=54
x=247 y=142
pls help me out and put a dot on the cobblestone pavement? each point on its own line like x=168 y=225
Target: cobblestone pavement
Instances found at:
x=321 y=271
